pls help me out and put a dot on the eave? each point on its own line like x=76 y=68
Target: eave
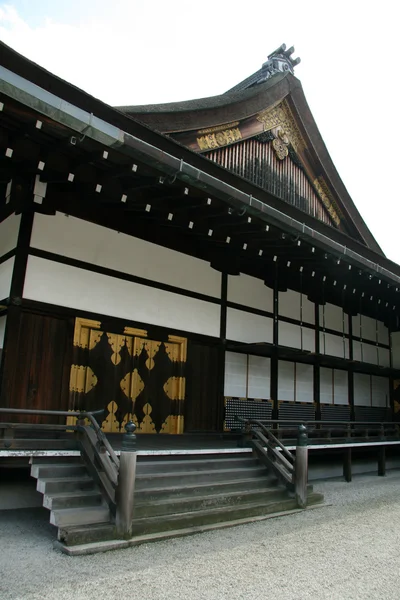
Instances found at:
x=127 y=141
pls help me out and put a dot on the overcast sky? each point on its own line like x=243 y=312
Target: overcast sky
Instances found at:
x=139 y=52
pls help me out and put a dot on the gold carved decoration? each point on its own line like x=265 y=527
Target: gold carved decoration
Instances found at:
x=147 y=425
x=211 y=141
x=110 y=424
x=218 y=128
x=327 y=199
x=173 y=424
x=82 y=379
x=152 y=348
x=82 y=331
x=135 y=332
x=280 y=143
x=281 y=117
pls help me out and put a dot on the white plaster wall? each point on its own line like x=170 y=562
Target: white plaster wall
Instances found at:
x=380 y=391
x=307 y=310
x=259 y=377
x=368 y=328
x=286 y=389
x=6 y=271
x=100 y=246
x=248 y=328
x=356 y=325
x=340 y=387
x=289 y=304
x=333 y=317
x=308 y=339
x=9 y=229
x=3 y=320
x=289 y=335
x=62 y=285
x=304 y=383
x=383 y=333
x=326 y=385
x=370 y=353
x=235 y=374
x=362 y=389
x=250 y=291
x=383 y=357
x=395 y=346
x=334 y=345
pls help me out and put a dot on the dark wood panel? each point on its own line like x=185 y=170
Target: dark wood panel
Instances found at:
x=37 y=361
x=204 y=404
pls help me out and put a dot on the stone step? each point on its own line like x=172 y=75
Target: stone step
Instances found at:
x=86 y=515
x=64 y=484
x=206 y=464
x=45 y=471
x=72 y=536
x=184 y=489
x=45 y=460
x=157 y=480
x=147 y=525
x=72 y=499
x=192 y=503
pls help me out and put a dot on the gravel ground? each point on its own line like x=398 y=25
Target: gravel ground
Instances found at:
x=348 y=550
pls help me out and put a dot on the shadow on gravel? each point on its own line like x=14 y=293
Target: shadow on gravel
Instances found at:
x=32 y=522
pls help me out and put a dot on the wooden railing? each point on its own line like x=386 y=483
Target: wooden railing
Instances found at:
x=267 y=438
x=96 y=450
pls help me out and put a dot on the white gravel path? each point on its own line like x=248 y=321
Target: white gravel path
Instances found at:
x=349 y=550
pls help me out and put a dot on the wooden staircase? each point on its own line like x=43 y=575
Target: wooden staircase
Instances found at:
x=171 y=494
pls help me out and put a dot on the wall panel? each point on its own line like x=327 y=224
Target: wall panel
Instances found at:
x=289 y=335
x=304 y=383
x=98 y=245
x=340 y=387
x=248 y=328
x=380 y=391
x=6 y=272
x=383 y=333
x=383 y=357
x=362 y=389
x=259 y=377
x=286 y=381
x=326 y=385
x=368 y=328
x=307 y=310
x=289 y=304
x=3 y=320
x=37 y=363
x=9 y=229
x=202 y=403
x=62 y=285
x=308 y=339
x=235 y=375
x=250 y=291
x=332 y=317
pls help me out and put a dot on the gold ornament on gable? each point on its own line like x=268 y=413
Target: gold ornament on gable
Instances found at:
x=280 y=118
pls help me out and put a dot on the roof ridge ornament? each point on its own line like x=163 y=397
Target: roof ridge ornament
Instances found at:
x=279 y=61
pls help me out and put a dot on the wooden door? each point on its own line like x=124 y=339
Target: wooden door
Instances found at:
x=158 y=385
x=130 y=377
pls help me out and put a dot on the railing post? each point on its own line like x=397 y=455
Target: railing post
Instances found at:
x=301 y=467
x=126 y=482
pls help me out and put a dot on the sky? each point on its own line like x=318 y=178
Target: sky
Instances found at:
x=141 y=52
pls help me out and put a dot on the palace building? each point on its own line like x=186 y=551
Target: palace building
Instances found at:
x=183 y=264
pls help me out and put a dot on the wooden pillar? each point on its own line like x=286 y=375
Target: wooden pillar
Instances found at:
x=222 y=351
x=347 y=465
x=126 y=483
x=317 y=370
x=274 y=356
x=351 y=373
x=301 y=467
x=382 y=461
